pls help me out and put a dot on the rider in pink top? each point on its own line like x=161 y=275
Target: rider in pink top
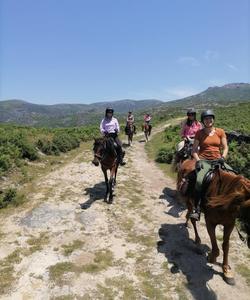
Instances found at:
x=190 y=131
x=189 y=128
x=147 y=118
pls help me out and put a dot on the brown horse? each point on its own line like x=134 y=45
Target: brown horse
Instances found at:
x=183 y=154
x=130 y=132
x=224 y=197
x=146 y=128
x=105 y=154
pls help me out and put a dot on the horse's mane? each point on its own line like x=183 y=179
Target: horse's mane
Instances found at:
x=110 y=147
x=229 y=189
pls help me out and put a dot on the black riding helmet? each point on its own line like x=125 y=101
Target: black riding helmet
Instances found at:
x=191 y=111
x=207 y=113
x=109 y=110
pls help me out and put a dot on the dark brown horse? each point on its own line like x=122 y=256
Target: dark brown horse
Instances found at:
x=130 y=130
x=225 y=196
x=105 y=154
x=146 y=128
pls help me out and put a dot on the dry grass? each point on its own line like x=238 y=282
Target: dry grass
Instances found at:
x=7 y=271
x=75 y=245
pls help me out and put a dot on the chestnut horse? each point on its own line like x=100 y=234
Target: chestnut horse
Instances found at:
x=104 y=152
x=223 y=198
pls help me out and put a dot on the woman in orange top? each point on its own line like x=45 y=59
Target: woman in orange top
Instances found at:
x=210 y=144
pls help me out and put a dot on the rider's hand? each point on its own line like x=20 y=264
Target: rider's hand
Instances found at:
x=198 y=165
x=221 y=160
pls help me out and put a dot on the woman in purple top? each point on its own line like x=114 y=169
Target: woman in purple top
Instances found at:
x=110 y=127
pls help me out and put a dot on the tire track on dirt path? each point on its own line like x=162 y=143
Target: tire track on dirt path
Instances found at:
x=136 y=248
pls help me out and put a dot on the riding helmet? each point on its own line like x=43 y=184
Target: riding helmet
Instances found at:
x=109 y=110
x=191 y=111
x=207 y=113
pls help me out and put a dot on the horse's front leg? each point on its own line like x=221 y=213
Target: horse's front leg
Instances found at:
x=197 y=237
x=116 y=169
x=227 y=273
x=107 y=184
x=112 y=183
x=215 y=250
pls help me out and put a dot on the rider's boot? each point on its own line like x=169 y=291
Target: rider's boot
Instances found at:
x=196 y=213
x=120 y=156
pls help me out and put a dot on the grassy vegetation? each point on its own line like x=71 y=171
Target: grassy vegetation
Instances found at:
x=37 y=243
x=11 y=197
x=244 y=271
x=159 y=149
x=57 y=272
x=118 y=285
x=20 y=143
x=103 y=259
x=70 y=248
x=7 y=271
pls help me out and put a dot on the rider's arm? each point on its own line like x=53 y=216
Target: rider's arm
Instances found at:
x=224 y=146
x=102 y=129
x=117 y=126
x=195 y=150
x=183 y=130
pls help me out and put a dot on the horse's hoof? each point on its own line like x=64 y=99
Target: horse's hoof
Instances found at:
x=229 y=278
x=228 y=275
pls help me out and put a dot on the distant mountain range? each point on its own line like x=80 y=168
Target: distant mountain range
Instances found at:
x=25 y=113
x=232 y=92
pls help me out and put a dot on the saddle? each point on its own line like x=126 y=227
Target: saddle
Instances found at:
x=208 y=178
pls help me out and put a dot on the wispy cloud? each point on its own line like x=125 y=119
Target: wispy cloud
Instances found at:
x=232 y=67
x=178 y=92
x=211 y=55
x=188 y=60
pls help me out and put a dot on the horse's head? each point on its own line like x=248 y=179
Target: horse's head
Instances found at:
x=98 y=149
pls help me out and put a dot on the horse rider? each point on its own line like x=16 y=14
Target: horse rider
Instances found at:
x=110 y=127
x=189 y=128
x=210 y=144
x=147 y=118
x=130 y=120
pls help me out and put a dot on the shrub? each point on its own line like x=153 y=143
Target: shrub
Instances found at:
x=5 y=162
x=47 y=147
x=165 y=155
x=11 y=197
x=65 y=142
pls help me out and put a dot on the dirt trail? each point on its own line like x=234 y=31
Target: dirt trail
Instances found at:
x=136 y=248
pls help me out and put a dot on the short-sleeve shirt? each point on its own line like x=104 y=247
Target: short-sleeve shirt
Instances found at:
x=210 y=146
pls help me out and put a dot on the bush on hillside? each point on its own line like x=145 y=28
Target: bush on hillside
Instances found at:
x=65 y=142
x=11 y=196
x=165 y=155
x=47 y=147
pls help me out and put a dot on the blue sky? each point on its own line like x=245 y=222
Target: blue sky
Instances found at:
x=82 y=51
